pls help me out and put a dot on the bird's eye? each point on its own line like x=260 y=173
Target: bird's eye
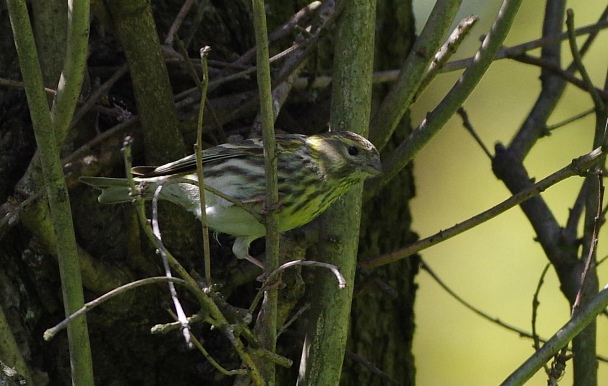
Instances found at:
x=353 y=150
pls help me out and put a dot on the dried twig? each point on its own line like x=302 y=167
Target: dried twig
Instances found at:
x=179 y=19
x=51 y=332
x=576 y=167
x=578 y=61
x=514 y=51
x=535 y=304
x=469 y=126
x=179 y=309
x=590 y=259
x=299 y=17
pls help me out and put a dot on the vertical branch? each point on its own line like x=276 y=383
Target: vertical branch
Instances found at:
x=56 y=189
x=584 y=346
x=198 y=149
x=72 y=76
x=590 y=260
x=552 y=86
x=325 y=342
x=266 y=325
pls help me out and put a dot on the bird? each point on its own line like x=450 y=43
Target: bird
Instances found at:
x=312 y=171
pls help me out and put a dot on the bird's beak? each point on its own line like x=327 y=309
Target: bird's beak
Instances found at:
x=374 y=167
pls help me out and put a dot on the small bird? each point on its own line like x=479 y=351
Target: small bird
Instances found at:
x=313 y=171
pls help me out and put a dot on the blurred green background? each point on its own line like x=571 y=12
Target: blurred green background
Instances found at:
x=496 y=266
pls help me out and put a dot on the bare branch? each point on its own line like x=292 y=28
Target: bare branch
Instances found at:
x=578 y=166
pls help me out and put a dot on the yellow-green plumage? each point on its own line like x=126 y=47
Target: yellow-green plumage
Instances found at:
x=312 y=172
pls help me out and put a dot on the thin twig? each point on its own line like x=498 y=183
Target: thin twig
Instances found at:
x=372 y=368
x=298 y=18
x=51 y=332
x=309 y=263
x=16 y=84
x=330 y=13
x=280 y=92
x=510 y=52
x=483 y=314
x=164 y=328
x=535 y=304
x=574 y=215
x=272 y=357
x=197 y=343
x=119 y=129
x=587 y=314
x=590 y=256
x=576 y=55
x=306 y=263
x=198 y=150
x=291 y=320
x=196 y=22
x=449 y=48
x=101 y=90
x=181 y=315
x=187 y=62
x=152 y=232
x=470 y=307
x=515 y=52
x=565 y=74
x=179 y=19
x=467 y=125
x=569 y=120
x=184 y=95
x=576 y=167
x=216 y=365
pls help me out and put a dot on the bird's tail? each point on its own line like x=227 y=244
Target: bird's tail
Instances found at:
x=113 y=190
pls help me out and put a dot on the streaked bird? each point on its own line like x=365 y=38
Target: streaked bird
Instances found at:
x=313 y=171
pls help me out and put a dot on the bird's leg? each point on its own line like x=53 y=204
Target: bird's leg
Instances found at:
x=240 y=248
x=254 y=261
x=262 y=199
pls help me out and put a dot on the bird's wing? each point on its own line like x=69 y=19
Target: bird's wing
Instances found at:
x=187 y=164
